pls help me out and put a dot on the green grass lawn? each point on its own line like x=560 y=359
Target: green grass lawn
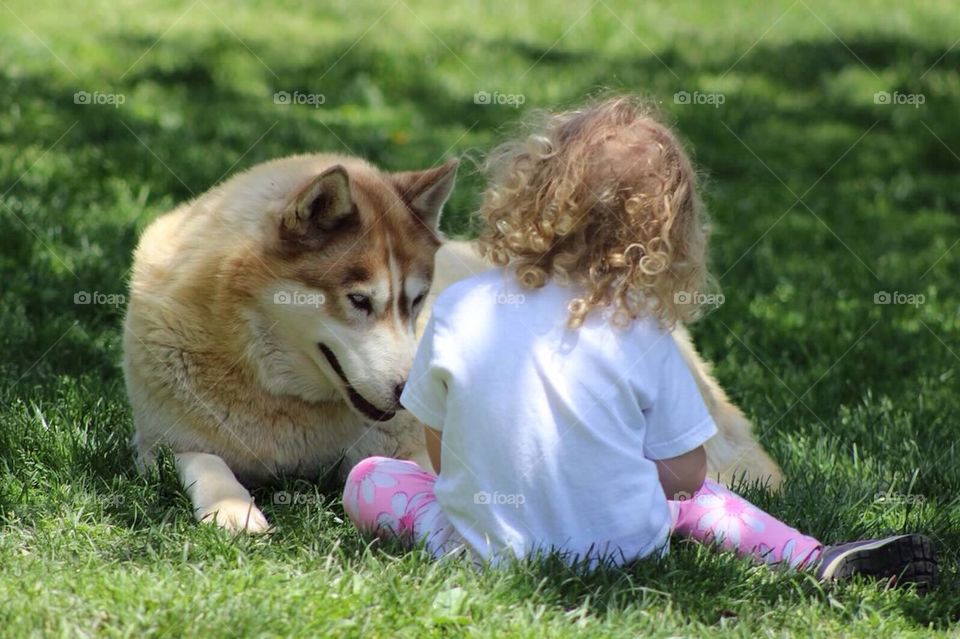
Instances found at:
x=822 y=199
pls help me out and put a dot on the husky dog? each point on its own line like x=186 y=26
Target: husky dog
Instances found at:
x=272 y=323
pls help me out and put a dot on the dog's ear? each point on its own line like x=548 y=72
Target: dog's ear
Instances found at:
x=322 y=206
x=427 y=191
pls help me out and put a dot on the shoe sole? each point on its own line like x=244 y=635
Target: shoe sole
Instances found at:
x=912 y=559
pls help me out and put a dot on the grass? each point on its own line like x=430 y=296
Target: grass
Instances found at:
x=821 y=198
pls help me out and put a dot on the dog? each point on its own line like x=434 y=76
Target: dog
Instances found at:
x=272 y=322
x=271 y=325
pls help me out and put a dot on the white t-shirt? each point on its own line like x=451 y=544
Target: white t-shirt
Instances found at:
x=549 y=433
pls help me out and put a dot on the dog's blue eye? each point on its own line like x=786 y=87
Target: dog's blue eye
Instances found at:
x=361 y=302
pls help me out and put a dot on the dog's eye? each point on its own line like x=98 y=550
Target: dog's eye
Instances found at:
x=418 y=299
x=361 y=302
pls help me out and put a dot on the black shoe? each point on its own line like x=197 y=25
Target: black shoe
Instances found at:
x=900 y=560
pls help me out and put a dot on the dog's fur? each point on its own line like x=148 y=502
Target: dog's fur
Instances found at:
x=272 y=323
x=243 y=350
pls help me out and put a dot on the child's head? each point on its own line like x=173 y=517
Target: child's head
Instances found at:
x=603 y=196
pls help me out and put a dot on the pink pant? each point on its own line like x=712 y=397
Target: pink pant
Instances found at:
x=394 y=498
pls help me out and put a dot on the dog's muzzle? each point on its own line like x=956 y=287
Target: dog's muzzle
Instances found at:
x=365 y=407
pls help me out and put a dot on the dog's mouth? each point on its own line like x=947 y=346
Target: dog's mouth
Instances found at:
x=364 y=406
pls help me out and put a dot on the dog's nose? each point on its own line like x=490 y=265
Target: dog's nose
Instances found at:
x=398 y=390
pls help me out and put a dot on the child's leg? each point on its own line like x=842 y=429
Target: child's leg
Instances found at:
x=393 y=498
x=715 y=514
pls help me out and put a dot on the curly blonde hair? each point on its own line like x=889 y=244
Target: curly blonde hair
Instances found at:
x=605 y=197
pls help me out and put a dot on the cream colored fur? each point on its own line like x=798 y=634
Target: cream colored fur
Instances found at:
x=234 y=382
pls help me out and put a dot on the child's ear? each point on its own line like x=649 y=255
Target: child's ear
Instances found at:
x=426 y=191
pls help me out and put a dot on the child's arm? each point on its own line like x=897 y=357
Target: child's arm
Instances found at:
x=678 y=424
x=680 y=476
x=433 y=438
x=425 y=392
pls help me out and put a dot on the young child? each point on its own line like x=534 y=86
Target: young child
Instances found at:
x=560 y=416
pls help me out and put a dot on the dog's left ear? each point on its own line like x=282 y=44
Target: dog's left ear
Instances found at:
x=427 y=191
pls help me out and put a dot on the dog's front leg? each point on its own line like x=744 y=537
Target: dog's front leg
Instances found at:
x=216 y=494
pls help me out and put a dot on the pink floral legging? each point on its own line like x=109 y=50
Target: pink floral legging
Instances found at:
x=394 y=498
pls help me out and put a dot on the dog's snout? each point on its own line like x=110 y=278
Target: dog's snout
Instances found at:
x=398 y=390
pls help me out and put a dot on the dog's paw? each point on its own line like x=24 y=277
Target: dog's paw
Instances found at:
x=235 y=515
